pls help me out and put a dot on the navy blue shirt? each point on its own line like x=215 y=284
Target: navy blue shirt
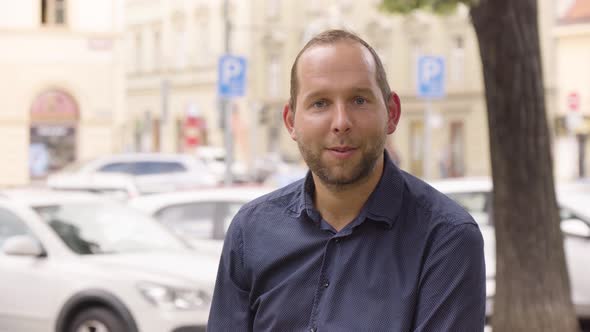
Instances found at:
x=411 y=261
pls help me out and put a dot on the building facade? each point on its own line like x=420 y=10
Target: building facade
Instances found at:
x=62 y=84
x=173 y=52
x=572 y=119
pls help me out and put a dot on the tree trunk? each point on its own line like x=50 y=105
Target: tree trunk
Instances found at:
x=532 y=285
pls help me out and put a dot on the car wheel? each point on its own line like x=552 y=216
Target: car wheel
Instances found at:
x=97 y=320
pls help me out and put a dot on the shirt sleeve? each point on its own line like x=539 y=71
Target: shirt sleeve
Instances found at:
x=230 y=307
x=452 y=286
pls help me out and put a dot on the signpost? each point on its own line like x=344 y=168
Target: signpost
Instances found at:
x=574 y=118
x=232 y=76
x=231 y=84
x=431 y=77
x=430 y=85
x=573 y=101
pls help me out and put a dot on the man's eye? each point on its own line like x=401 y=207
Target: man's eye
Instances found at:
x=360 y=101
x=320 y=104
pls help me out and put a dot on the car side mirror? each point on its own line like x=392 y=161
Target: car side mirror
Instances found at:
x=575 y=227
x=22 y=245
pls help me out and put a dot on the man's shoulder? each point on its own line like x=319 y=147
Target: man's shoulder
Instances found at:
x=434 y=207
x=279 y=202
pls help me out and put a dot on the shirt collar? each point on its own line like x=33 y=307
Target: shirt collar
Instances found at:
x=385 y=202
x=383 y=205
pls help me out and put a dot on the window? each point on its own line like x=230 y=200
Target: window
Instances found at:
x=158 y=58
x=457 y=150
x=416 y=49
x=476 y=203
x=117 y=168
x=203 y=41
x=274 y=76
x=138 y=50
x=273 y=8
x=191 y=221
x=417 y=147
x=53 y=12
x=157 y=167
x=202 y=220
x=87 y=228
x=180 y=38
x=10 y=225
x=457 y=60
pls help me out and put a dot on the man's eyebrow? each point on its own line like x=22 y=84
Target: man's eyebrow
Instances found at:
x=321 y=93
x=314 y=95
x=364 y=91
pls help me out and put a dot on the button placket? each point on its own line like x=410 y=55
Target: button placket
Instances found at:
x=323 y=283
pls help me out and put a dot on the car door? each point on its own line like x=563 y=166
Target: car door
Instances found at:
x=202 y=224
x=29 y=294
x=577 y=251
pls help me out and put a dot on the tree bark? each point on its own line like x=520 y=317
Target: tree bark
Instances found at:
x=532 y=285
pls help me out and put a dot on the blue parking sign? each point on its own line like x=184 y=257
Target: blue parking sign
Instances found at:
x=431 y=77
x=232 y=76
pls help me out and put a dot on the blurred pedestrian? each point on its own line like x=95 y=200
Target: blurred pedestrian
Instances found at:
x=357 y=245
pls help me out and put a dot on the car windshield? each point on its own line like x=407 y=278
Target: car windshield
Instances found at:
x=106 y=227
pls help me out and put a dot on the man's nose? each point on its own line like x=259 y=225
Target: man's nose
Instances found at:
x=341 y=122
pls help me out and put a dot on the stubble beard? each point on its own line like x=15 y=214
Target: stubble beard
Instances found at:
x=358 y=174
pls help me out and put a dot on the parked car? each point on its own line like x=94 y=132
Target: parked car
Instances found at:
x=574 y=208
x=116 y=185
x=214 y=159
x=201 y=217
x=151 y=172
x=76 y=262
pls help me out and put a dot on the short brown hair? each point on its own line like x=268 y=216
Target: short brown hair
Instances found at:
x=331 y=37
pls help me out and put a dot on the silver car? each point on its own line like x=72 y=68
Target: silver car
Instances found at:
x=574 y=208
x=200 y=217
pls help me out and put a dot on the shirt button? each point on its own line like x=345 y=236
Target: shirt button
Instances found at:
x=313 y=329
x=337 y=240
x=326 y=284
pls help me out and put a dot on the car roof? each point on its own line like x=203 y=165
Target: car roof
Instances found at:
x=457 y=185
x=574 y=195
x=155 y=202
x=145 y=157
x=45 y=196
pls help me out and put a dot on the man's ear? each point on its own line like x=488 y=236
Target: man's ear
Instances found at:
x=394 y=111
x=289 y=121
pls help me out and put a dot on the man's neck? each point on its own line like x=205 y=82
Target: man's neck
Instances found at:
x=340 y=205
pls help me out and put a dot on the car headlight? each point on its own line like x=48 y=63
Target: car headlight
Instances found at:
x=174 y=298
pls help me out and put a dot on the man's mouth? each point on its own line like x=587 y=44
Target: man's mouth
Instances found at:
x=342 y=149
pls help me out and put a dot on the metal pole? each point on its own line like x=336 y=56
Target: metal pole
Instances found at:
x=225 y=105
x=164 y=94
x=427 y=139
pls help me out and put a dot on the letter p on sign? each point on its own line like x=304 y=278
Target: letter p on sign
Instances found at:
x=232 y=76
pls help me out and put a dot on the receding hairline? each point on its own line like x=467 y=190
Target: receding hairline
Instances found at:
x=366 y=54
x=332 y=37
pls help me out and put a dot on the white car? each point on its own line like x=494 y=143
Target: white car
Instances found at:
x=74 y=262
x=116 y=185
x=475 y=196
x=150 y=172
x=214 y=159
x=201 y=217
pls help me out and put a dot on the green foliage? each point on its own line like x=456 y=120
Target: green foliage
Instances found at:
x=437 y=6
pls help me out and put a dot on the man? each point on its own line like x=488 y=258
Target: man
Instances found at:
x=358 y=245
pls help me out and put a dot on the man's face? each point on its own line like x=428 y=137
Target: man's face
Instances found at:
x=341 y=121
